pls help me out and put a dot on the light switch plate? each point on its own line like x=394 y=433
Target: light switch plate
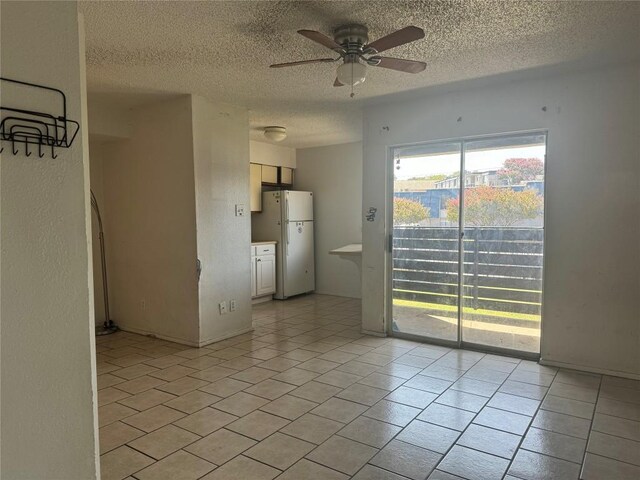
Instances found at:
x=232 y=305
x=223 y=307
x=239 y=210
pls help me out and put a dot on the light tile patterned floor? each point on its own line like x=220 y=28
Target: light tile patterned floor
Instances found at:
x=306 y=396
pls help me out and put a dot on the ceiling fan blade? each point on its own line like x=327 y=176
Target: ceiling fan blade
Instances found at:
x=322 y=39
x=409 y=66
x=303 y=62
x=395 y=39
x=338 y=84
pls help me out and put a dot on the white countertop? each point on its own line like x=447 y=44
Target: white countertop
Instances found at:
x=351 y=249
x=273 y=242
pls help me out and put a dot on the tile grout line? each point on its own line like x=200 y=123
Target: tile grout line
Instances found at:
x=476 y=415
x=423 y=409
x=530 y=423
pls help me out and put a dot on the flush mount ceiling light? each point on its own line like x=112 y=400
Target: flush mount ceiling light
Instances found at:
x=275 y=134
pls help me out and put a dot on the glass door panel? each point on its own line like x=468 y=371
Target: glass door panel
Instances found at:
x=426 y=238
x=503 y=220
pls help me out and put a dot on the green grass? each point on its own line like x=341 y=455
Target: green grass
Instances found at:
x=453 y=308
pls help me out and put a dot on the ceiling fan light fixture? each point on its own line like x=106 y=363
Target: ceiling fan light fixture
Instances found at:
x=352 y=73
x=275 y=134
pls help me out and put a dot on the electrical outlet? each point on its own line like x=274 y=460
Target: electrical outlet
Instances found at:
x=223 y=307
x=232 y=305
x=239 y=210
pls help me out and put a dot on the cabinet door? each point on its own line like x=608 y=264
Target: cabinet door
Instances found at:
x=269 y=174
x=265 y=274
x=254 y=285
x=255 y=187
x=286 y=176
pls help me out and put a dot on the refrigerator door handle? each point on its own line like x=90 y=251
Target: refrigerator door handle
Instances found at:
x=286 y=238
x=286 y=210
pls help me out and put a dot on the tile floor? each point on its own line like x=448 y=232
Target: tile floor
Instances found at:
x=306 y=396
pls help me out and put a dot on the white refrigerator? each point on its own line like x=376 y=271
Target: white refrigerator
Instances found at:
x=287 y=218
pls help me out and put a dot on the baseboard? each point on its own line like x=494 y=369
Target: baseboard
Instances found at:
x=263 y=299
x=186 y=342
x=375 y=334
x=224 y=337
x=583 y=368
x=342 y=295
x=169 y=338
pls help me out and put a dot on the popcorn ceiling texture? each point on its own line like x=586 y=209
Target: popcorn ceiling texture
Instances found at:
x=222 y=51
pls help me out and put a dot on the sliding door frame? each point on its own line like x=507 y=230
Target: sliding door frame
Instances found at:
x=388 y=308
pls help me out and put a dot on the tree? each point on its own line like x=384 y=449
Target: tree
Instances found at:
x=516 y=170
x=491 y=206
x=407 y=211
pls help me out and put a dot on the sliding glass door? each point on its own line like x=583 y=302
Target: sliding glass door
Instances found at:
x=468 y=241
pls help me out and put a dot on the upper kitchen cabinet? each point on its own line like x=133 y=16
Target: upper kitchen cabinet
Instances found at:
x=286 y=176
x=270 y=174
x=255 y=187
x=272 y=167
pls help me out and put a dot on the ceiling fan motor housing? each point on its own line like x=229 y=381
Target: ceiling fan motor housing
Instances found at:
x=352 y=37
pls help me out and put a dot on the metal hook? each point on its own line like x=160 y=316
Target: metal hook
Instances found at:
x=13 y=147
x=53 y=154
x=26 y=148
x=40 y=154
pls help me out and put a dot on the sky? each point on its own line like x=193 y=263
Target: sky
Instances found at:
x=448 y=164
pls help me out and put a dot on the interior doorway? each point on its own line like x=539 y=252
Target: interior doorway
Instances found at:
x=466 y=263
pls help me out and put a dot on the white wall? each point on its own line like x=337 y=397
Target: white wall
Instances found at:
x=48 y=350
x=271 y=154
x=107 y=119
x=221 y=168
x=150 y=226
x=590 y=312
x=334 y=175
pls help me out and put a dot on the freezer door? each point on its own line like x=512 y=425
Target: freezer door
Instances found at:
x=298 y=206
x=299 y=272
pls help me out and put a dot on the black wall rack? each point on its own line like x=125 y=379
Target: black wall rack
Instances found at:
x=21 y=125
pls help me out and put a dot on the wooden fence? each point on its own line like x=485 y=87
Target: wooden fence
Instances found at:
x=502 y=267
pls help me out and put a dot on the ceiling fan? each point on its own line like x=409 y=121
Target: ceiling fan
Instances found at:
x=351 y=43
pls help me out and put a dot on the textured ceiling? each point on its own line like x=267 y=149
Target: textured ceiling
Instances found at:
x=222 y=50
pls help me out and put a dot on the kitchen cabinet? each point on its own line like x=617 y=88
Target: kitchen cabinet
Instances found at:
x=270 y=174
x=263 y=270
x=286 y=176
x=267 y=175
x=265 y=275
x=255 y=175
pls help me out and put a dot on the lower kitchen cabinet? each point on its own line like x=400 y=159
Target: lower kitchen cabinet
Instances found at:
x=265 y=275
x=263 y=270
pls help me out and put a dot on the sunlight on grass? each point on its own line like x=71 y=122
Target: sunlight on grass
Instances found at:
x=454 y=309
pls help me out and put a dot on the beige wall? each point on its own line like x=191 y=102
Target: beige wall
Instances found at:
x=48 y=408
x=334 y=175
x=271 y=154
x=150 y=226
x=221 y=160
x=592 y=253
